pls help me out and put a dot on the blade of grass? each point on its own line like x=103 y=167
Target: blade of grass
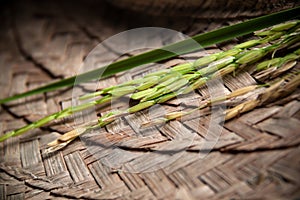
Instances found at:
x=169 y=51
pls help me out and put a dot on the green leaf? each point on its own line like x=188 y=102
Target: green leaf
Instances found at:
x=182 y=47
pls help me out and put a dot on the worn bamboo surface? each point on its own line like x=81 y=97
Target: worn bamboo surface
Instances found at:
x=256 y=156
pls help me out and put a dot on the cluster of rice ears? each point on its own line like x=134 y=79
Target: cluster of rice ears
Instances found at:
x=161 y=86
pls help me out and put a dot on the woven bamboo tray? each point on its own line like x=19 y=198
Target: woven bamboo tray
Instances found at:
x=256 y=156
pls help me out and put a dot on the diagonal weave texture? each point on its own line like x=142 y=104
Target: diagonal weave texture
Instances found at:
x=256 y=155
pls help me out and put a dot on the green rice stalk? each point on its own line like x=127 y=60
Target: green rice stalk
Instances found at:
x=169 y=83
